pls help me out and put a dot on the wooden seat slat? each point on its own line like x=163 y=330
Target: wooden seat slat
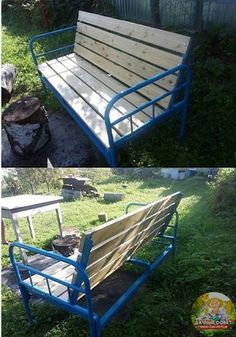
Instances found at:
x=99 y=87
x=142 y=51
x=98 y=103
x=91 y=118
x=135 y=98
x=169 y=40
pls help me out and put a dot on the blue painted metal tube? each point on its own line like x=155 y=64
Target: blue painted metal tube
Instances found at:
x=76 y=309
x=146 y=105
x=139 y=262
x=134 y=287
x=159 y=118
x=135 y=88
x=44 y=36
x=53 y=51
x=77 y=265
x=48 y=276
x=134 y=204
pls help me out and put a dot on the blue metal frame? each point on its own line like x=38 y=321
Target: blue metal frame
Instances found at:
x=96 y=323
x=176 y=105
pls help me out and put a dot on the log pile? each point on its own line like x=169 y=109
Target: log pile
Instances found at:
x=74 y=188
x=26 y=125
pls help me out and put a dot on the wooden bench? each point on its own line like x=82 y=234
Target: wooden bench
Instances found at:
x=120 y=78
x=102 y=251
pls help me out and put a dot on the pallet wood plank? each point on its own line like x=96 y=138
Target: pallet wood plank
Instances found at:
x=129 y=62
x=158 y=57
x=169 y=40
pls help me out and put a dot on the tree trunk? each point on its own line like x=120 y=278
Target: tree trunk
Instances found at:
x=26 y=125
x=66 y=245
x=8 y=78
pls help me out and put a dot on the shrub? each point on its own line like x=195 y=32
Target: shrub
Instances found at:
x=224 y=190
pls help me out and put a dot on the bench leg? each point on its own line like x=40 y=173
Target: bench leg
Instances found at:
x=26 y=298
x=112 y=157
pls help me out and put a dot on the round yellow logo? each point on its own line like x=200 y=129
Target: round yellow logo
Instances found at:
x=213 y=311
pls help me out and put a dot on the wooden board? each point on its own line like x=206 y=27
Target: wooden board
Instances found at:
x=106 y=231
x=154 y=36
x=97 y=102
x=100 y=88
x=151 y=91
x=158 y=57
x=131 y=63
x=94 y=121
x=135 y=98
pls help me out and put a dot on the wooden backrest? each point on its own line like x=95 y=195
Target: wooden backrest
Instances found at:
x=128 y=51
x=117 y=240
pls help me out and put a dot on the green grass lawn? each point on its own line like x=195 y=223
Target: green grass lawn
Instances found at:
x=211 y=126
x=204 y=262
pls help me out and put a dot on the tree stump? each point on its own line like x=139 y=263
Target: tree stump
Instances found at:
x=26 y=125
x=66 y=245
x=8 y=78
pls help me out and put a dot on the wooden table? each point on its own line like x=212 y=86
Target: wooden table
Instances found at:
x=27 y=205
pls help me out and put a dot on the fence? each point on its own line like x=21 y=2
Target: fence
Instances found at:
x=178 y=13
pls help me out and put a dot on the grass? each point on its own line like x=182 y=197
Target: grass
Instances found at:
x=211 y=127
x=205 y=261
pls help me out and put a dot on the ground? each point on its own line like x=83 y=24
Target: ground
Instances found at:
x=204 y=262
x=211 y=126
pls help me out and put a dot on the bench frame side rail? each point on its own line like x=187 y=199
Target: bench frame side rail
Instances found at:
x=29 y=289
x=176 y=105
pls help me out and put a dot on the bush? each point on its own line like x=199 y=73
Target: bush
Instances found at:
x=224 y=190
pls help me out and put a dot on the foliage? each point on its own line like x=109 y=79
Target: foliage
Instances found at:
x=224 y=190
x=204 y=262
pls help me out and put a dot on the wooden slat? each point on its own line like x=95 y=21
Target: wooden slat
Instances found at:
x=115 y=241
x=122 y=74
x=99 y=87
x=87 y=114
x=144 y=52
x=129 y=62
x=158 y=37
x=108 y=80
x=112 y=267
x=98 y=103
x=101 y=257
x=106 y=231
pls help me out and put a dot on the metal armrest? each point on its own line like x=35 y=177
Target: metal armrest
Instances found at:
x=44 y=36
x=134 y=204
x=179 y=86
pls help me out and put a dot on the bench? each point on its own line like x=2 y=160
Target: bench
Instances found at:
x=118 y=78
x=102 y=251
